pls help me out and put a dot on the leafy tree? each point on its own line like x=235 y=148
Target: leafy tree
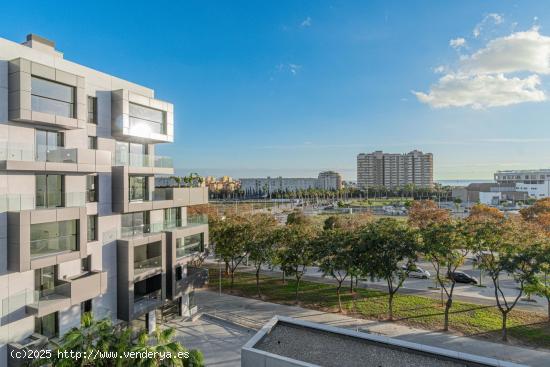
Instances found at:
x=336 y=257
x=444 y=245
x=385 y=244
x=296 y=252
x=506 y=246
x=538 y=213
x=426 y=212
x=540 y=284
x=230 y=236
x=261 y=243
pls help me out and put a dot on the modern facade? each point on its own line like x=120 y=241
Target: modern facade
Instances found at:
x=536 y=183
x=329 y=180
x=82 y=226
x=391 y=170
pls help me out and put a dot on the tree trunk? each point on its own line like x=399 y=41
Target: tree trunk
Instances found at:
x=339 y=299
x=447 y=309
x=258 y=282
x=390 y=306
x=504 y=329
x=351 y=284
x=297 y=287
x=232 y=273
x=283 y=277
x=548 y=307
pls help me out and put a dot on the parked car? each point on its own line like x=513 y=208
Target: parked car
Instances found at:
x=461 y=277
x=417 y=272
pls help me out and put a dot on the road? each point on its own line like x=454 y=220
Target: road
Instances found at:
x=484 y=295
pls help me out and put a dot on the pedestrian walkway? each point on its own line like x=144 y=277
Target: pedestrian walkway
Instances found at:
x=239 y=308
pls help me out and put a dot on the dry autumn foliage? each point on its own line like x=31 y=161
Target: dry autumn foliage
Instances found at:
x=424 y=213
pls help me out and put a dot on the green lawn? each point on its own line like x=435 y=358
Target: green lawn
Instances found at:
x=468 y=319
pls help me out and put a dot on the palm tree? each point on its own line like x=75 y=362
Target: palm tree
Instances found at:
x=165 y=351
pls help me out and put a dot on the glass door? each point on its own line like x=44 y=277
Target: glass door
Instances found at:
x=47 y=141
x=45 y=281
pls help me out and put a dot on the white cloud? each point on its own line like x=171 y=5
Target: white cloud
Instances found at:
x=520 y=51
x=306 y=22
x=294 y=68
x=482 y=91
x=457 y=43
x=494 y=75
x=492 y=17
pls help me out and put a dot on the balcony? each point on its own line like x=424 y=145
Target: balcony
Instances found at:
x=144 y=163
x=87 y=285
x=141 y=118
x=50 y=246
x=39 y=238
x=142 y=230
x=144 y=303
x=190 y=221
x=169 y=197
x=17 y=202
x=45 y=96
x=50 y=300
x=55 y=159
x=148 y=266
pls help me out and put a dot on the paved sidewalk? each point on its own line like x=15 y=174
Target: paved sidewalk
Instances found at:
x=259 y=312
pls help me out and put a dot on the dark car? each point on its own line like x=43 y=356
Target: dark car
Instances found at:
x=461 y=277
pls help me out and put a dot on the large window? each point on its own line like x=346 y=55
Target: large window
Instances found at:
x=49 y=191
x=47 y=325
x=138 y=188
x=92 y=110
x=189 y=245
x=51 y=97
x=54 y=237
x=172 y=218
x=92 y=142
x=92 y=188
x=46 y=142
x=92 y=228
x=132 y=154
x=134 y=223
x=145 y=120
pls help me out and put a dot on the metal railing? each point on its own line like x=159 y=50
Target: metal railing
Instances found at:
x=189 y=249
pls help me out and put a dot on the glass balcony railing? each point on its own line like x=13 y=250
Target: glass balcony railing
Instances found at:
x=142 y=302
x=48 y=246
x=62 y=289
x=142 y=160
x=142 y=266
x=189 y=249
x=40 y=153
x=191 y=220
x=140 y=230
x=18 y=202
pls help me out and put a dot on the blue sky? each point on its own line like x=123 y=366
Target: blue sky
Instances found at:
x=293 y=87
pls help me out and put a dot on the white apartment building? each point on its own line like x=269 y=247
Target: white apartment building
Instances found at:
x=394 y=170
x=82 y=226
x=535 y=182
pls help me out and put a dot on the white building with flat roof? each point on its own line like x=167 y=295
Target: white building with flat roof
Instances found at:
x=82 y=226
